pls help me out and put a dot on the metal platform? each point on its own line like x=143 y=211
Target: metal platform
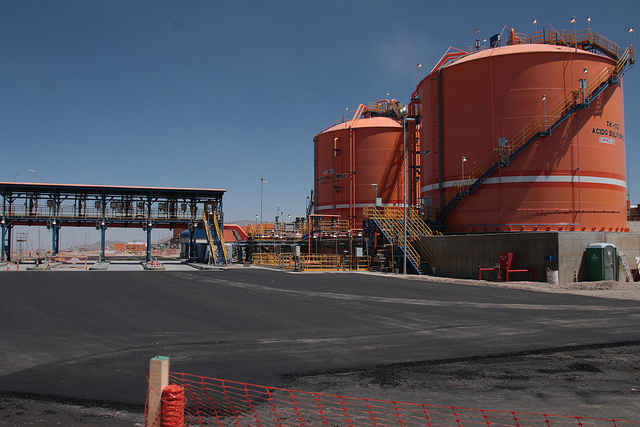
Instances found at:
x=101 y=206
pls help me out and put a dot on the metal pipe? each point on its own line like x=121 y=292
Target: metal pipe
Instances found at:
x=309 y=226
x=404 y=130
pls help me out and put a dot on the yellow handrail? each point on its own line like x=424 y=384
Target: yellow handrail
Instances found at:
x=220 y=236
x=210 y=237
x=391 y=219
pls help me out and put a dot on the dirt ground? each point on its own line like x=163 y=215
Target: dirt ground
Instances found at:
x=593 y=381
x=602 y=289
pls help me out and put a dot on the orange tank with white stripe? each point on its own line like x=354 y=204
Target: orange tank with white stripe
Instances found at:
x=355 y=161
x=479 y=108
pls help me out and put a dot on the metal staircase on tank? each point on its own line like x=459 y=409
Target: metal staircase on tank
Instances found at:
x=215 y=237
x=390 y=222
x=538 y=128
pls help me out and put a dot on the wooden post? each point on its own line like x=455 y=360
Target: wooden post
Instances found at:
x=158 y=380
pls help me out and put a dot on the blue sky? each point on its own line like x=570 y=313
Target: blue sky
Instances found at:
x=212 y=94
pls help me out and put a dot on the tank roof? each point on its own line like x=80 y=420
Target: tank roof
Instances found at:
x=524 y=48
x=367 y=122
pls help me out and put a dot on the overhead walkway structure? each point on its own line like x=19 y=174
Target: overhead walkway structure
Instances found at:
x=389 y=221
x=542 y=126
x=103 y=206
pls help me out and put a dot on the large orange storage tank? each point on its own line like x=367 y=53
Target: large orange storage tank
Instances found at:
x=349 y=158
x=573 y=179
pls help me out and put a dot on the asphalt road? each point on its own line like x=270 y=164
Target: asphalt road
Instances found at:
x=90 y=335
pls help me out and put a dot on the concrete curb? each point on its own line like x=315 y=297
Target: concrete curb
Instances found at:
x=208 y=267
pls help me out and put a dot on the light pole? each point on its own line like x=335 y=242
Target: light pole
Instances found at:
x=575 y=39
x=24 y=170
x=544 y=101
x=262 y=182
x=464 y=159
x=404 y=129
x=417 y=71
x=634 y=35
x=535 y=22
x=589 y=24
x=585 y=90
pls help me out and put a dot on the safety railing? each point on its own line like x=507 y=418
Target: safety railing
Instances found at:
x=212 y=245
x=69 y=212
x=292 y=231
x=357 y=263
x=192 y=400
x=321 y=262
x=329 y=226
x=271 y=232
x=220 y=235
x=276 y=260
x=585 y=38
x=306 y=262
x=216 y=242
x=625 y=60
x=385 y=107
x=356 y=116
x=581 y=39
x=391 y=220
x=416 y=250
x=421 y=227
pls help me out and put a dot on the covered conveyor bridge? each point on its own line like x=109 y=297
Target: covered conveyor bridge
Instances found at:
x=103 y=206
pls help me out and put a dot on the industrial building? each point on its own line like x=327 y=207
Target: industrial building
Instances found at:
x=520 y=141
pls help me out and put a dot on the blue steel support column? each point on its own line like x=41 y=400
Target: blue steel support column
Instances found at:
x=103 y=226
x=55 y=227
x=148 y=244
x=8 y=244
x=148 y=226
x=4 y=236
x=103 y=229
x=4 y=225
x=193 y=253
x=55 y=237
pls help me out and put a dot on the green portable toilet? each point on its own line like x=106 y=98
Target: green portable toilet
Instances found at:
x=601 y=262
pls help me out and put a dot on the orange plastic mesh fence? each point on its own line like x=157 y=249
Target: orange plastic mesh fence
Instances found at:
x=210 y=401
x=173 y=405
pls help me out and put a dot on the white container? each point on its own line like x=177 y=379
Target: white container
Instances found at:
x=552 y=277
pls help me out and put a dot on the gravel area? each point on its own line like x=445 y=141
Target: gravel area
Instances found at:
x=20 y=410
x=602 y=289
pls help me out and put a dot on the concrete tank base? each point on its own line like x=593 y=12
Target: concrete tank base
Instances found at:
x=460 y=255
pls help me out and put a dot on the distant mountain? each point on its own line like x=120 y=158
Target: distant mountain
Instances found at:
x=242 y=222
x=93 y=246
x=108 y=243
